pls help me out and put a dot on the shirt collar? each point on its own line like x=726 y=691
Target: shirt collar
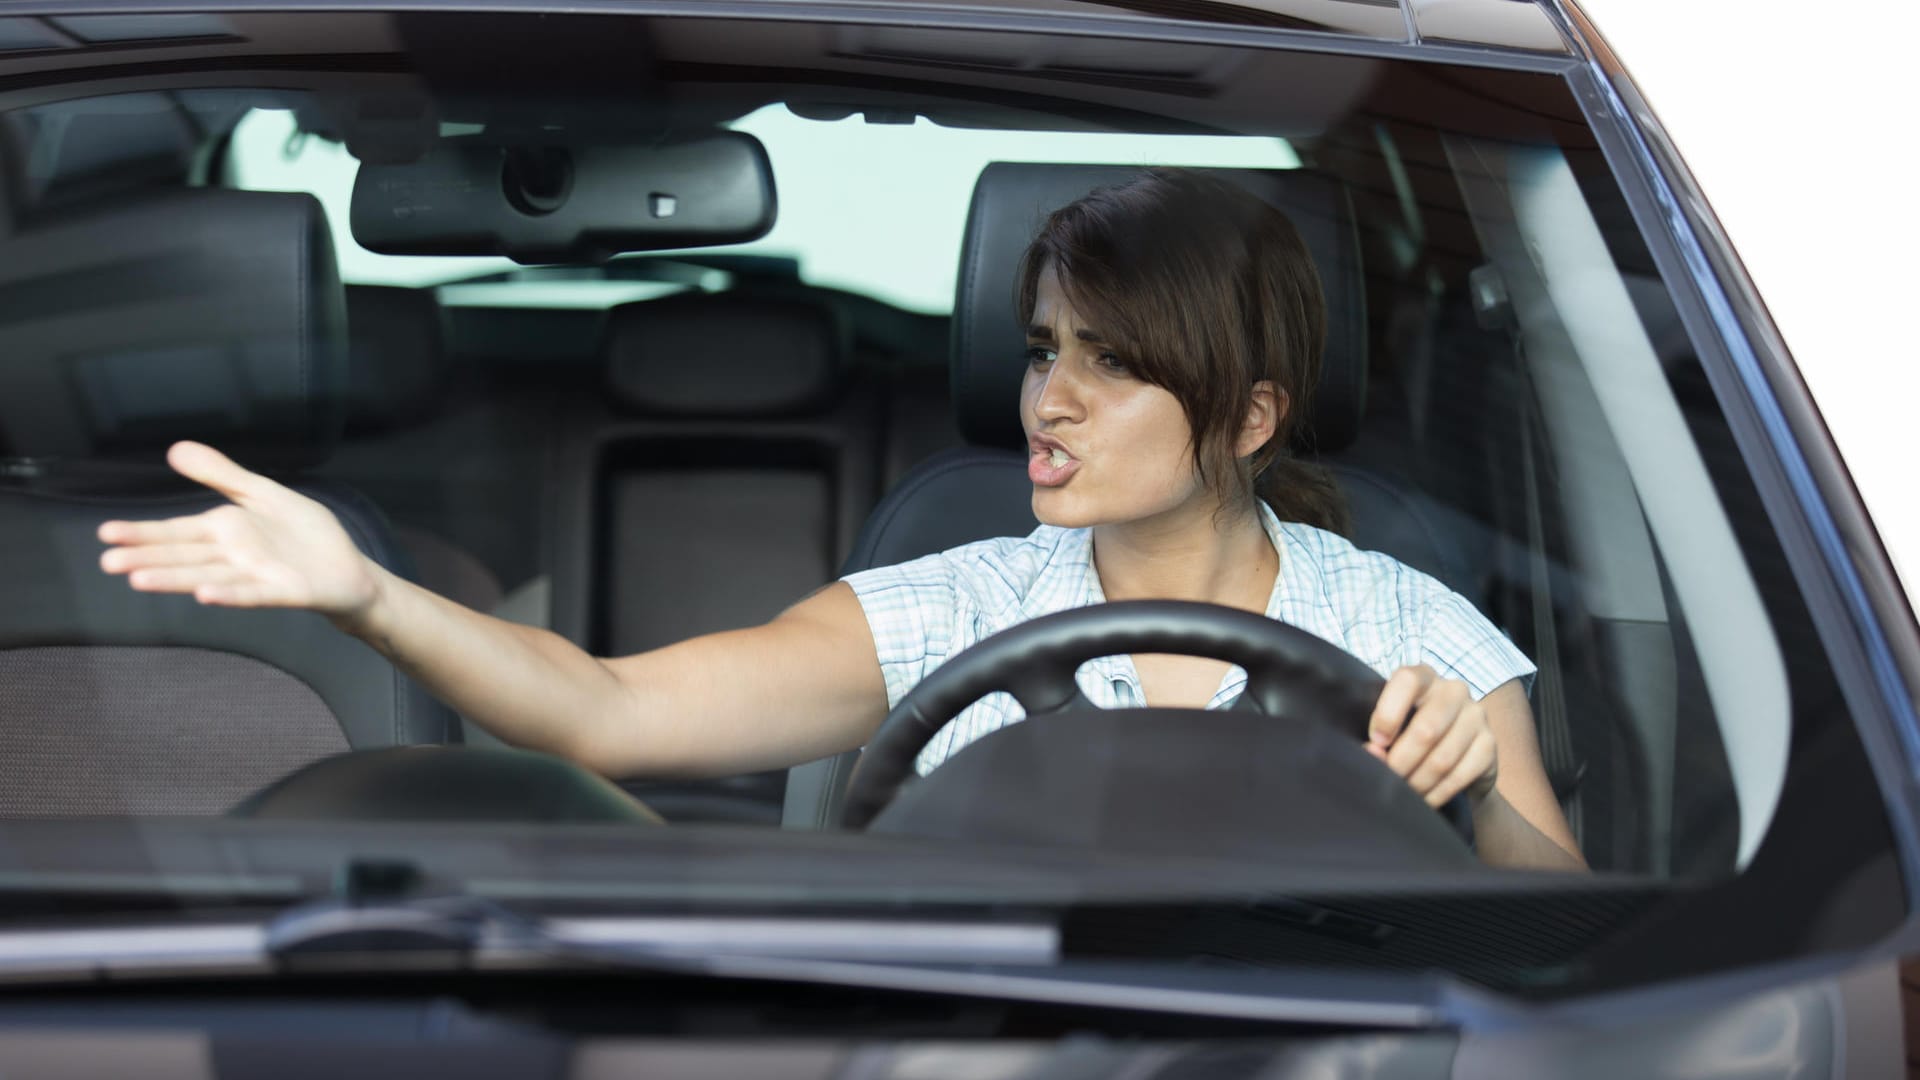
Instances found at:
x=1068 y=580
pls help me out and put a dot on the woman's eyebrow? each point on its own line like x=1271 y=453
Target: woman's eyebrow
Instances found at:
x=1037 y=332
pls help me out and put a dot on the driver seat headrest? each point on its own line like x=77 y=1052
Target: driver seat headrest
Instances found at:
x=1012 y=200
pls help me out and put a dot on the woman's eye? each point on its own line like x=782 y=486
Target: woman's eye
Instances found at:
x=1113 y=363
x=1038 y=355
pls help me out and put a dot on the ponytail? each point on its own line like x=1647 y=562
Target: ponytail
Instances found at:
x=1306 y=493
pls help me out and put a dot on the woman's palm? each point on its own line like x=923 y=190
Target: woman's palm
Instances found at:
x=268 y=547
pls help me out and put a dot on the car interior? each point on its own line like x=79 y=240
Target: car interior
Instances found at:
x=631 y=474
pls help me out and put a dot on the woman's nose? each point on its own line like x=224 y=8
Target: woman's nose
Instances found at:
x=1058 y=396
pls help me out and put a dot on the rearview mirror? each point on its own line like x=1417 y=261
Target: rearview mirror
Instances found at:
x=560 y=203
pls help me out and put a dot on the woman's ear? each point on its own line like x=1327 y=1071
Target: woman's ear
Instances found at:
x=1264 y=416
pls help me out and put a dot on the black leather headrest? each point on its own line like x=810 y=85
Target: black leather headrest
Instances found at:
x=203 y=313
x=397 y=370
x=1011 y=201
x=90 y=151
x=719 y=355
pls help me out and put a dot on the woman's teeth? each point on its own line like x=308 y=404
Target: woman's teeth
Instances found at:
x=1058 y=458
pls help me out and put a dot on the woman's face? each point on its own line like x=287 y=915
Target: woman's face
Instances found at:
x=1122 y=446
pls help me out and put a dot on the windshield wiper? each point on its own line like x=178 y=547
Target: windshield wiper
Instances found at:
x=380 y=912
x=469 y=931
x=379 y=920
x=989 y=960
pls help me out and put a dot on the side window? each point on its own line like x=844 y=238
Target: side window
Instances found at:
x=1533 y=375
x=1635 y=568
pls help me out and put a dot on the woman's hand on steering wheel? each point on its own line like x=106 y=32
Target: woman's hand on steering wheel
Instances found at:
x=1432 y=732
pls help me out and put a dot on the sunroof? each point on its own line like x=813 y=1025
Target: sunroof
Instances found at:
x=19 y=35
x=124 y=29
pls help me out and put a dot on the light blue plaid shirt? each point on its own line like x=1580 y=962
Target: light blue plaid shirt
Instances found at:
x=1372 y=605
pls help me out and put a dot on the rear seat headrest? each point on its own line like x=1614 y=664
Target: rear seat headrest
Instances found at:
x=697 y=354
x=206 y=313
x=397 y=370
x=1011 y=201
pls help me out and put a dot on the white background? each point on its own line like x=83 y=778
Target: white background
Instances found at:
x=1801 y=123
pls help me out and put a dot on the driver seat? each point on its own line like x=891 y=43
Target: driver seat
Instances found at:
x=981 y=490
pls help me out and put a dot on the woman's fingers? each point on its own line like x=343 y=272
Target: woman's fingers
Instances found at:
x=205 y=465
x=1439 y=706
x=1449 y=754
x=185 y=579
x=1478 y=766
x=180 y=530
x=119 y=560
x=1433 y=733
x=1403 y=690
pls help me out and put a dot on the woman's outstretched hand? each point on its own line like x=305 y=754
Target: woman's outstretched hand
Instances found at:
x=268 y=547
x=1431 y=731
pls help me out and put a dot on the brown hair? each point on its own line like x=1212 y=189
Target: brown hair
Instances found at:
x=1205 y=290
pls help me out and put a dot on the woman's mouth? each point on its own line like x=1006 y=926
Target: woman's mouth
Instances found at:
x=1050 y=466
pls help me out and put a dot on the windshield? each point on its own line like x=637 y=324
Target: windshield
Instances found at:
x=889 y=229
x=661 y=530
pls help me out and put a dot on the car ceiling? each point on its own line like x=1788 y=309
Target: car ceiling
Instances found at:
x=963 y=78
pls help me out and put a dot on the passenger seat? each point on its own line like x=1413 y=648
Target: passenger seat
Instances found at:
x=721 y=480
x=206 y=314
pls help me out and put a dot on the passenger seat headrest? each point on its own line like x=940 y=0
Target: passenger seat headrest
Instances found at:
x=698 y=354
x=397 y=370
x=208 y=314
x=1010 y=203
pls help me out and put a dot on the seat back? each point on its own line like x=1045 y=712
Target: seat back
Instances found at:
x=214 y=315
x=721 y=480
x=399 y=383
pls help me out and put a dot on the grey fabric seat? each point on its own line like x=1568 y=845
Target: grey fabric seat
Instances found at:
x=215 y=315
x=721 y=479
x=399 y=381
x=981 y=490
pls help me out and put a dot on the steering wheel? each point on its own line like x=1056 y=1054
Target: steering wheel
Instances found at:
x=1290 y=674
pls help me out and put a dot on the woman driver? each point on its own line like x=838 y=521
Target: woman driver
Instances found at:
x=1175 y=326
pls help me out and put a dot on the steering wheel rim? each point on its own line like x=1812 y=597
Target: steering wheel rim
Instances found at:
x=1290 y=673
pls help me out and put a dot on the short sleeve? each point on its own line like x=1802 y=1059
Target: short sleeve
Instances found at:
x=1460 y=643
x=912 y=609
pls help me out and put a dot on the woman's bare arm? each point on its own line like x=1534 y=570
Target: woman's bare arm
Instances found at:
x=805 y=685
x=802 y=686
x=1519 y=822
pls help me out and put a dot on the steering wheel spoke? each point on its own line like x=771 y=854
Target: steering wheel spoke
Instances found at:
x=1050 y=694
